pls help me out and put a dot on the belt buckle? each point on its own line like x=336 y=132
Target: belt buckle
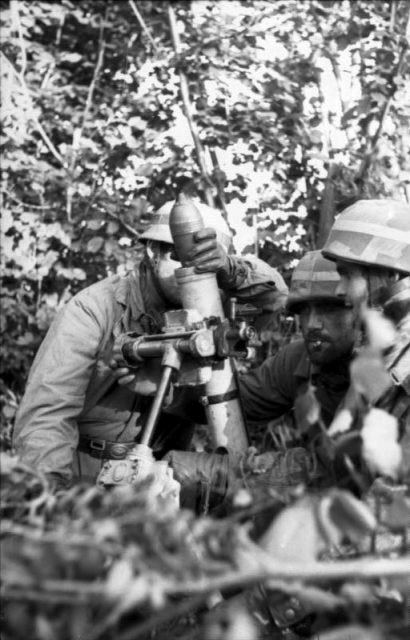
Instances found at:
x=97 y=445
x=118 y=451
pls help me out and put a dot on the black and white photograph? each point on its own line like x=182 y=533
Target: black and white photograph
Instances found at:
x=205 y=320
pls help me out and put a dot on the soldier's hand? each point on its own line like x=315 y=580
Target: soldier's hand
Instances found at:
x=143 y=380
x=123 y=375
x=201 y=475
x=208 y=254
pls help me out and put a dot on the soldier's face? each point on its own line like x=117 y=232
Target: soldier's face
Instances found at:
x=364 y=284
x=329 y=330
x=353 y=282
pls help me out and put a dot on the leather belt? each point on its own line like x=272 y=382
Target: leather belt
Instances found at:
x=104 y=449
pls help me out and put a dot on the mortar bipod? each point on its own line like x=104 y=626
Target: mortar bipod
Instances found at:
x=140 y=462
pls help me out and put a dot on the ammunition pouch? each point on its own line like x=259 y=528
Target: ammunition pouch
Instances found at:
x=285 y=610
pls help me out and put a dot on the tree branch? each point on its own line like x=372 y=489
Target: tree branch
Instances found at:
x=26 y=204
x=33 y=116
x=126 y=226
x=278 y=572
x=15 y=17
x=371 y=146
x=187 y=107
x=263 y=569
x=78 y=133
x=142 y=23
x=219 y=178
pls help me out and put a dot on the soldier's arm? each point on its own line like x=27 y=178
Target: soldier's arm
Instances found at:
x=46 y=431
x=269 y=391
x=252 y=280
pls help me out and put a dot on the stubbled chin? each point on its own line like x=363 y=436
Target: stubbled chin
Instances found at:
x=318 y=356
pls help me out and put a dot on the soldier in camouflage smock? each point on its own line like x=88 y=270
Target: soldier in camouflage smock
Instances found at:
x=370 y=243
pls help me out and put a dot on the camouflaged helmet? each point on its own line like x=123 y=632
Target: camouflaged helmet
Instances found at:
x=314 y=279
x=372 y=233
x=159 y=228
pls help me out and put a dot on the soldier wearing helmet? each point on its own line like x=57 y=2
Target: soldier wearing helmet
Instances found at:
x=321 y=358
x=214 y=242
x=251 y=280
x=77 y=411
x=329 y=333
x=370 y=245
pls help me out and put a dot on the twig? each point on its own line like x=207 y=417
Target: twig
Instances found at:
x=15 y=15
x=26 y=204
x=371 y=146
x=33 y=116
x=219 y=180
x=314 y=572
x=327 y=206
x=142 y=23
x=126 y=226
x=187 y=107
x=36 y=594
x=97 y=69
x=170 y=613
x=77 y=134
x=265 y=569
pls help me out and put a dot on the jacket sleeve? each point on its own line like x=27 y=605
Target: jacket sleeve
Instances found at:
x=46 y=431
x=269 y=391
x=253 y=281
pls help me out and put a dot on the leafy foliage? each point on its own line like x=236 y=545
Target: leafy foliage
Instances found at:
x=98 y=564
x=286 y=97
x=299 y=108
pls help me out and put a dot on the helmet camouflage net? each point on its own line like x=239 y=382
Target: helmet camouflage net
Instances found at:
x=314 y=279
x=159 y=228
x=373 y=233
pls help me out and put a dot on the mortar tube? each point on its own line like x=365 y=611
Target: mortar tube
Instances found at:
x=223 y=410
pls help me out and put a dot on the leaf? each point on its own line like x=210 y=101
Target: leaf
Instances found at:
x=316 y=599
x=112 y=227
x=8 y=463
x=369 y=376
x=340 y=423
x=95 y=224
x=44 y=629
x=352 y=632
x=358 y=593
x=70 y=57
x=294 y=535
x=26 y=339
x=396 y=515
x=342 y=515
x=119 y=580
x=95 y=244
x=380 y=331
x=306 y=409
x=9 y=411
x=381 y=451
x=242 y=497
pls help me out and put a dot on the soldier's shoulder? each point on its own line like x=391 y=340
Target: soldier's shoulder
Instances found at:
x=265 y=269
x=104 y=295
x=107 y=286
x=291 y=354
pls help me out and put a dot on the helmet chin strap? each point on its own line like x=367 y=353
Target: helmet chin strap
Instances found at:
x=396 y=299
x=379 y=284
